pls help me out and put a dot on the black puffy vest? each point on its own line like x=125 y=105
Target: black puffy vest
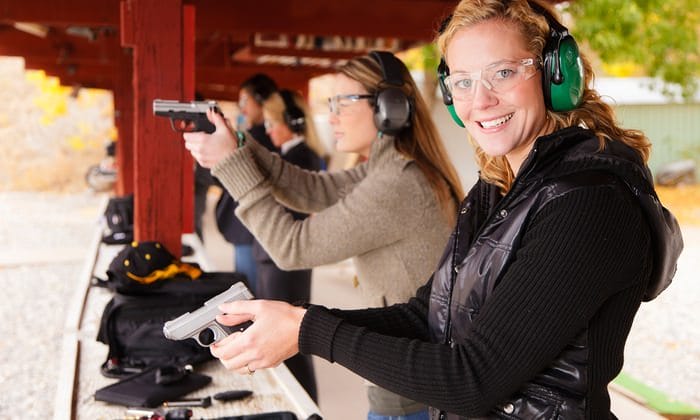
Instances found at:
x=488 y=232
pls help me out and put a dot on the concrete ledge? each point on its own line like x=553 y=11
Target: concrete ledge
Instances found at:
x=652 y=399
x=274 y=389
x=63 y=403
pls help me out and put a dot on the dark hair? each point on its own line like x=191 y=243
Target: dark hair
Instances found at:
x=261 y=86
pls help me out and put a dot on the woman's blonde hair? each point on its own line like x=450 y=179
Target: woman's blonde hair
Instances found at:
x=275 y=108
x=593 y=113
x=421 y=140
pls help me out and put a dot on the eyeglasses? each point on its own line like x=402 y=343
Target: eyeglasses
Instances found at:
x=268 y=124
x=242 y=100
x=338 y=102
x=498 y=77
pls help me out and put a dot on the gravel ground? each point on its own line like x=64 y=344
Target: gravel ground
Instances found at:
x=43 y=236
x=45 y=233
x=663 y=349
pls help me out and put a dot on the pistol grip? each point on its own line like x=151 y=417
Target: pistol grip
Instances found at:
x=217 y=332
x=203 y=124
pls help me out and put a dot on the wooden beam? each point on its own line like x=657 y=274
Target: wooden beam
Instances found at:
x=93 y=76
x=217 y=82
x=188 y=86
x=73 y=12
x=296 y=52
x=214 y=82
x=239 y=72
x=154 y=31
x=59 y=46
x=218 y=92
x=124 y=122
x=404 y=19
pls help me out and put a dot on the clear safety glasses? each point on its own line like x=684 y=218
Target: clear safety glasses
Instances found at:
x=338 y=102
x=498 y=77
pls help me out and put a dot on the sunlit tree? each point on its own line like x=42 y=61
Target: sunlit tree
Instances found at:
x=656 y=38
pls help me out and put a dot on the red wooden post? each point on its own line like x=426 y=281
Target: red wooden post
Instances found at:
x=124 y=121
x=154 y=31
x=188 y=83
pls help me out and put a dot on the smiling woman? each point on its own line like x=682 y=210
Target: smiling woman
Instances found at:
x=505 y=113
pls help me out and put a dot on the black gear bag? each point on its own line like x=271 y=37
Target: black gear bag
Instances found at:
x=119 y=215
x=132 y=321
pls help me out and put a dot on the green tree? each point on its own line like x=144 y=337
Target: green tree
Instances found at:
x=660 y=36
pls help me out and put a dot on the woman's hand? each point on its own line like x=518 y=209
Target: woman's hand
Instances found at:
x=271 y=339
x=210 y=149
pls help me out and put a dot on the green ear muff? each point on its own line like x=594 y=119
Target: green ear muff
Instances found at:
x=566 y=89
x=562 y=69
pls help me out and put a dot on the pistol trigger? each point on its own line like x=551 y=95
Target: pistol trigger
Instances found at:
x=172 y=125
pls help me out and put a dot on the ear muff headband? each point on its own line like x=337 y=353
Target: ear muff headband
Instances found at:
x=392 y=108
x=562 y=69
x=293 y=115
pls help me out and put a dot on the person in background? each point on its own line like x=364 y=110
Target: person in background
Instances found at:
x=555 y=248
x=253 y=92
x=289 y=125
x=391 y=214
x=202 y=181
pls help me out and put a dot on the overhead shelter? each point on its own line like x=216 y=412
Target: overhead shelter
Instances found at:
x=168 y=49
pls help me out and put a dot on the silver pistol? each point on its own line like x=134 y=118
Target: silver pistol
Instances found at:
x=186 y=117
x=201 y=324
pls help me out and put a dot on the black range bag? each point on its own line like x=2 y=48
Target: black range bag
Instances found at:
x=151 y=287
x=119 y=215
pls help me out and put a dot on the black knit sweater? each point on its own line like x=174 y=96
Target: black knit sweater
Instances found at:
x=545 y=298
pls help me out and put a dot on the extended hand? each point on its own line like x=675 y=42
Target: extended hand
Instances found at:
x=273 y=337
x=210 y=149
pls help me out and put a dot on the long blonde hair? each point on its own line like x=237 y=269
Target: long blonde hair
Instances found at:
x=593 y=113
x=275 y=108
x=421 y=141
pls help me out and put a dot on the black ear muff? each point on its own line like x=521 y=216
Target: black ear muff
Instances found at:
x=392 y=108
x=444 y=71
x=293 y=115
x=562 y=69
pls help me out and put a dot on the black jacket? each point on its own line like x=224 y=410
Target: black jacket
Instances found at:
x=487 y=239
x=230 y=227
